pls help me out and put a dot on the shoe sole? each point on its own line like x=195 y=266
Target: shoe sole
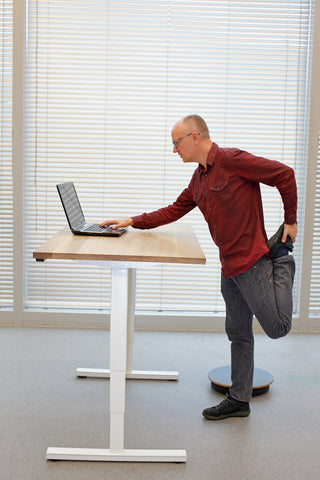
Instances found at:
x=222 y=417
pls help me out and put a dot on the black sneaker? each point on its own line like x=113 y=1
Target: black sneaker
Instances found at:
x=227 y=408
x=275 y=244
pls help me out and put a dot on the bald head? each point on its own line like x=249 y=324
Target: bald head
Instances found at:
x=195 y=123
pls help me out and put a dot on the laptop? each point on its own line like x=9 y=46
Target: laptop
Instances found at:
x=75 y=216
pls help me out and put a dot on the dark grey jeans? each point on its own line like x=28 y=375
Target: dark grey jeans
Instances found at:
x=265 y=291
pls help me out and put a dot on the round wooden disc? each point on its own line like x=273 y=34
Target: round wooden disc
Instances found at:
x=221 y=380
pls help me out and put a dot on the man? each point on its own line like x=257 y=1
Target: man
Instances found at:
x=256 y=278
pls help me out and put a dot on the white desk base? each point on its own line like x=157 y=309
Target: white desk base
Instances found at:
x=134 y=374
x=121 y=343
x=106 y=455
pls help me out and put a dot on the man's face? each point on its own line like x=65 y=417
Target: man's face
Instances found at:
x=183 y=143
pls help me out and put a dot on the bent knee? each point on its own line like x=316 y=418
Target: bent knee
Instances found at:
x=279 y=333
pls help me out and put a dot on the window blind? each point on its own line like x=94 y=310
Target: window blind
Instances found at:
x=105 y=82
x=6 y=199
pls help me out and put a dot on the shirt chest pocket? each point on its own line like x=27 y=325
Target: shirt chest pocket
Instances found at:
x=220 y=194
x=215 y=188
x=218 y=186
x=212 y=196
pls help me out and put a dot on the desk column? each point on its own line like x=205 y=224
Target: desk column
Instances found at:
x=118 y=355
x=130 y=316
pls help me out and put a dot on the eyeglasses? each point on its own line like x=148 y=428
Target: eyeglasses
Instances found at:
x=175 y=142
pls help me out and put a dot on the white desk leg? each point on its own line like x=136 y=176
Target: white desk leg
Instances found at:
x=118 y=356
x=130 y=317
x=118 y=363
x=130 y=373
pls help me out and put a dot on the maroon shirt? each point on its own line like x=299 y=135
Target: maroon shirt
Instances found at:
x=228 y=194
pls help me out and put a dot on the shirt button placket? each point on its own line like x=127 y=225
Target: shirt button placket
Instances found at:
x=207 y=194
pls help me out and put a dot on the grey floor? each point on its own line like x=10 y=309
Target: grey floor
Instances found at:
x=43 y=404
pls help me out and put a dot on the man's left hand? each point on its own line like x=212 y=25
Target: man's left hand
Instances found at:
x=291 y=230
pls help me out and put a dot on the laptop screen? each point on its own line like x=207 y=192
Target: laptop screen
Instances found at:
x=71 y=204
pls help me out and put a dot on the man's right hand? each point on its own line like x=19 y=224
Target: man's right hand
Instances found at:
x=122 y=223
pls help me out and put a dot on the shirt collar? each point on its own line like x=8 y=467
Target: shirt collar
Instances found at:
x=211 y=157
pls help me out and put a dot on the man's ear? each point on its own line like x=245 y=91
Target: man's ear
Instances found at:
x=196 y=137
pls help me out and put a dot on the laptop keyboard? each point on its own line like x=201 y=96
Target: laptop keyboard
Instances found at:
x=96 y=228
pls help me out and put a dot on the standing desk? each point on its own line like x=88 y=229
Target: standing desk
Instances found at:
x=175 y=243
